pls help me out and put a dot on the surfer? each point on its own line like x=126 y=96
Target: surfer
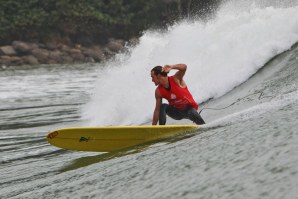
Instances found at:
x=174 y=89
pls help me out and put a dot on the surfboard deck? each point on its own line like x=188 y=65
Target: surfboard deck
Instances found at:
x=112 y=138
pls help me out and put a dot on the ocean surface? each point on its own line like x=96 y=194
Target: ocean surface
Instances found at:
x=243 y=71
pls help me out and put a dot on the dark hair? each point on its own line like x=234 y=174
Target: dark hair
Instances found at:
x=158 y=70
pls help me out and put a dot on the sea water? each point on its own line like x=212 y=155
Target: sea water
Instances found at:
x=242 y=69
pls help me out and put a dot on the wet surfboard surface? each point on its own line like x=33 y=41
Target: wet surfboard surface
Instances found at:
x=112 y=138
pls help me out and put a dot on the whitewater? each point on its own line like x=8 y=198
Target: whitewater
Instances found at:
x=242 y=70
x=221 y=54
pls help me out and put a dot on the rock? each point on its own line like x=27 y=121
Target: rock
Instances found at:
x=8 y=50
x=120 y=41
x=41 y=54
x=16 y=61
x=40 y=45
x=30 y=59
x=95 y=52
x=5 y=60
x=133 y=42
x=52 y=45
x=74 y=51
x=107 y=53
x=78 y=57
x=23 y=47
x=3 y=67
x=56 y=55
x=52 y=61
x=115 y=45
x=57 y=51
x=65 y=48
x=66 y=59
x=69 y=50
x=89 y=60
x=76 y=54
x=11 y=61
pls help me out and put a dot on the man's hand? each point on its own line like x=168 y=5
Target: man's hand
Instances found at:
x=166 y=68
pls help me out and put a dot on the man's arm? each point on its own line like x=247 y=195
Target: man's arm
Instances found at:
x=157 y=107
x=179 y=74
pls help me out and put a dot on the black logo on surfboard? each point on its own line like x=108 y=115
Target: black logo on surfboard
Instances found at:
x=83 y=139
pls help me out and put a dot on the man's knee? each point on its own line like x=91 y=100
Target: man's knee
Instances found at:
x=174 y=113
x=194 y=116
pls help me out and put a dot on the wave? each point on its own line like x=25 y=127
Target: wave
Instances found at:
x=220 y=53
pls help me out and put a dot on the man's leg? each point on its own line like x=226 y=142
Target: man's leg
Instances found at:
x=194 y=116
x=162 y=114
x=175 y=113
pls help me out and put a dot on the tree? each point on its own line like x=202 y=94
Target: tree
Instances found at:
x=90 y=21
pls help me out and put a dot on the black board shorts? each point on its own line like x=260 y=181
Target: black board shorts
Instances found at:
x=177 y=114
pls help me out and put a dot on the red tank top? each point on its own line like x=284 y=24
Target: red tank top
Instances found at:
x=178 y=97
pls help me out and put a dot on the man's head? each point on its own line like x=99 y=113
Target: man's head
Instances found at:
x=156 y=74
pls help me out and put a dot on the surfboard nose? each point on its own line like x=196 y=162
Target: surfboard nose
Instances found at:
x=52 y=135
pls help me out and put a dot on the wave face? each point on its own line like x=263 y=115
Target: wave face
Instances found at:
x=221 y=54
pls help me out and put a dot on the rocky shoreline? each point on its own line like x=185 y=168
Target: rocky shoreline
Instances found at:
x=26 y=53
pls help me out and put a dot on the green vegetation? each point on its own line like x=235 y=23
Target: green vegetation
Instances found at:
x=87 y=21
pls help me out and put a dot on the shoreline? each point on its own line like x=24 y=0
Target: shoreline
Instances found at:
x=20 y=53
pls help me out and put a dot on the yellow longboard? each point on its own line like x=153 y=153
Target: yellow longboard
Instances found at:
x=106 y=139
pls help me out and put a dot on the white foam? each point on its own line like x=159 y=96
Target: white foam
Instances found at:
x=220 y=55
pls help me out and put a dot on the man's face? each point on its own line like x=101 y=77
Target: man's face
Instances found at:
x=154 y=78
